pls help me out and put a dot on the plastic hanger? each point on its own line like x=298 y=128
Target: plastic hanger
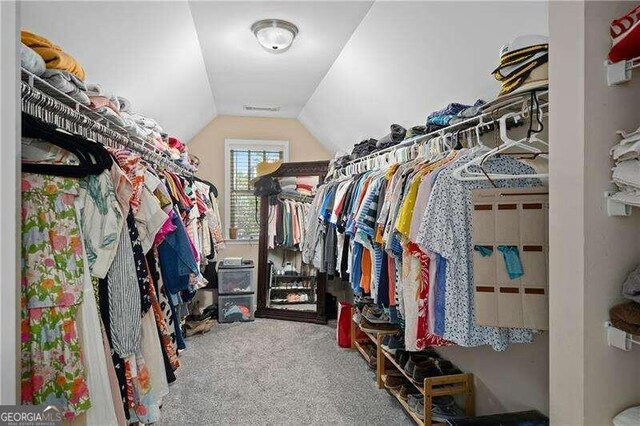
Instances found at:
x=464 y=172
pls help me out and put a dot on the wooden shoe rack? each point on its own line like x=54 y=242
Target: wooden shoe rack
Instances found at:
x=456 y=384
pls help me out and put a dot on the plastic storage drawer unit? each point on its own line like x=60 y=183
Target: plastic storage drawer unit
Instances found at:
x=235 y=308
x=234 y=280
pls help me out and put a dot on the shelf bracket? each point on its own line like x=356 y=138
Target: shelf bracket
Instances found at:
x=619 y=338
x=616 y=208
x=620 y=72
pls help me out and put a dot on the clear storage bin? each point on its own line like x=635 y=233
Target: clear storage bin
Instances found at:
x=235 y=280
x=235 y=308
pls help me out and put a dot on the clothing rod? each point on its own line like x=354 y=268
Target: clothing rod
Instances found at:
x=440 y=132
x=41 y=95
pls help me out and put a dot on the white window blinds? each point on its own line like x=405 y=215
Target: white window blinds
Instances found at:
x=244 y=207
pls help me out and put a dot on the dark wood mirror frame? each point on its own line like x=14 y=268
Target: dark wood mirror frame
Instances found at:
x=307 y=168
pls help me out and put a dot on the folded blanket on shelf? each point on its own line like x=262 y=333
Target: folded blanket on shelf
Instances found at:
x=176 y=144
x=67 y=83
x=125 y=104
x=102 y=101
x=627 y=174
x=631 y=286
x=628 y=148
x=96 y=89
x=54 y=57
x=111 y=115
x=626 y=317
x=395 y=137
x=31 y=61
x=627 y=196
x=145 y=121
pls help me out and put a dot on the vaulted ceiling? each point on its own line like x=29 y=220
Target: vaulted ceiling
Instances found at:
x=355 y=67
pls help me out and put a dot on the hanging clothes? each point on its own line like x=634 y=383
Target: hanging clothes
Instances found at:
x=408 y=230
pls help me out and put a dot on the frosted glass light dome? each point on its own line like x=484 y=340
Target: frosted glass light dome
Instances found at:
x=275 y=35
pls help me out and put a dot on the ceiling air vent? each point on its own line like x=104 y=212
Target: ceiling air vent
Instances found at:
x=261 y=108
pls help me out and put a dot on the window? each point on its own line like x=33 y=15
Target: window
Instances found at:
x=242 y=208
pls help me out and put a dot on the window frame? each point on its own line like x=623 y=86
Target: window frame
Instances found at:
x=244 y=144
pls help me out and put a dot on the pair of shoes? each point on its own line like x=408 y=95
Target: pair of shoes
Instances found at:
x=414 y=361
x=369 y=327
x=433 y=368
x=407 y=390
x=444 y=408
x=375 y=314
x=391 y=344
x=403 y=356
x=194 y=327
x=395 y=381
x=416 y=405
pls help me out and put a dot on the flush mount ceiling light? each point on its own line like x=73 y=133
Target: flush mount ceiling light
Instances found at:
x=275 y=35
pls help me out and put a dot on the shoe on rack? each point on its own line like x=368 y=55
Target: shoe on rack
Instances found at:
x=393 y=344
x=414 y=362
x=433 y=368
x=373 y=362
x=408 y=389
x=415 y=358
x=414 y=400
x=368 y=327
x=394 y=382
x=444 y=408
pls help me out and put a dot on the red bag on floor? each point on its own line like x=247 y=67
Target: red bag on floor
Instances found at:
x=343 y=329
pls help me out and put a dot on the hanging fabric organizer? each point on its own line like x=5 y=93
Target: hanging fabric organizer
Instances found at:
x=510 y=257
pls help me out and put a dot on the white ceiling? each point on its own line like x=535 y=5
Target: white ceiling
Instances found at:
x=429 y=54
x=242 y=73
x=355 y=68
x=145 y=51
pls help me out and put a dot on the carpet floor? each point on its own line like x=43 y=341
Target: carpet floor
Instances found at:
x=272 y=372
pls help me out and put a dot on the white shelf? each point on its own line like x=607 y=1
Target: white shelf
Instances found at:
x=620 y=72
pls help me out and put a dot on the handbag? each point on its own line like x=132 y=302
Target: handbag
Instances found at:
x=266 y=186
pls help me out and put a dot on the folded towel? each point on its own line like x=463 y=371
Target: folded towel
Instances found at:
x=628 y=148
x=627 y=174
x=627 y=196
x=31 y=61
x=54 y=57
x=626 y=317
x=631 y=286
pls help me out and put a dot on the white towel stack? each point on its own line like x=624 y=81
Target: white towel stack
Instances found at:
x=626 y=173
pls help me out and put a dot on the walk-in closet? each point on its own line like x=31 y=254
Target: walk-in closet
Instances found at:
x=309 y=212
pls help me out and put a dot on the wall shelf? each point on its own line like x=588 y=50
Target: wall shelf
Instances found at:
x=620 y=72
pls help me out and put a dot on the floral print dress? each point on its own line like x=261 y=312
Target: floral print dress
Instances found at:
x=52 y=370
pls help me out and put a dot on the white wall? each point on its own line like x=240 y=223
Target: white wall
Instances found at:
x=146 y=51
x=566 y=218
x=9 y=214
x=591 y=253
x=612 y=245
x=407 y=59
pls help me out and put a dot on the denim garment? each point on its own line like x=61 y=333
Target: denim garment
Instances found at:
x=176 y=258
